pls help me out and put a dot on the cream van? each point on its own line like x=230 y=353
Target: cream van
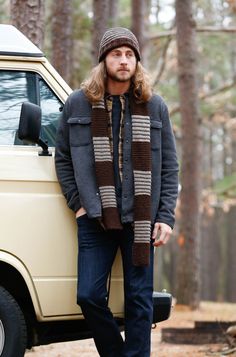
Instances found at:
x=38 y=244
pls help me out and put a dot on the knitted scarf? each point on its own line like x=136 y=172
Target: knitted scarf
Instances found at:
x=141 y=162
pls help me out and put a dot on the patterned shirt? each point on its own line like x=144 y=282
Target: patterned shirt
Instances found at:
x=109 y=105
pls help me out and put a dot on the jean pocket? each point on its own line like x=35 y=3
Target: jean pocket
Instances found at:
x=82 y=218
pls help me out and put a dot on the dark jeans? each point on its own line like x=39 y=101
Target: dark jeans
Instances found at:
x=97 y=251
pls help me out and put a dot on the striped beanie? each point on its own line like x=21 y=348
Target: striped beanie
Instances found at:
x=116 y=37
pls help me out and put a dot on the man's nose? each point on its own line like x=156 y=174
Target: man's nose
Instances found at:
x=123 y=59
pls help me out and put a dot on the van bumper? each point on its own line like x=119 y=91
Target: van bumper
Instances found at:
x=162 y=303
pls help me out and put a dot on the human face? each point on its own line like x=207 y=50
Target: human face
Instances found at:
x=121 y=64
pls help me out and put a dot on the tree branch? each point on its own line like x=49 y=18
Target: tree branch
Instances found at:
x=158 y=73
x=160 y=70
x=209 y=29
x=226 y=86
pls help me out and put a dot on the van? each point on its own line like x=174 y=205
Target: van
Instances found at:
x=38 y=238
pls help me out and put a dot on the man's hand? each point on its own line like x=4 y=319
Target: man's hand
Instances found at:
x=165 y=232
x=80 y=212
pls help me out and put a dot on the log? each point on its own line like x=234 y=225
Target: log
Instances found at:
x=203 y=332
x=213 y=325
x=190 y=336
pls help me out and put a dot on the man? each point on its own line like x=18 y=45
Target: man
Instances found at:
x=117 y=166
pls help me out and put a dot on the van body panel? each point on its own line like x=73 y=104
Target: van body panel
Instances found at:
x=38 y=232
x=41 y=230
x=14 y=262
x=53 y=296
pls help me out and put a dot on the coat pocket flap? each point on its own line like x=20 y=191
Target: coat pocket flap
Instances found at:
x=156 y=124
x=79 y=120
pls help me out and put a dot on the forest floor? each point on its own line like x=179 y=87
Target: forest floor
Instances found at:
x=181 y=316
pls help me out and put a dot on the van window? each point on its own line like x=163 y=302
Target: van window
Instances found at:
x=51 y=107
x=17 y=87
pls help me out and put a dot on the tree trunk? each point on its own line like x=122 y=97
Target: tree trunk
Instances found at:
x=211 y=252
x=139 y=23
x=113 y=13
x=231 y=260
x=28 y=17
x=232 y=131
x=233 y=147
x=100 y=21
x=62 y=38
x=225 y=151
x=211 y=161
x=188 y=284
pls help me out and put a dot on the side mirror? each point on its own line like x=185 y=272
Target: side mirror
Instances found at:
x=30 y=126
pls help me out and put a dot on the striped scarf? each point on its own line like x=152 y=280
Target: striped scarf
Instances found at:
x=141 y=160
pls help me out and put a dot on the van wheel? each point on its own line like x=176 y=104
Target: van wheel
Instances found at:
x=13 y=336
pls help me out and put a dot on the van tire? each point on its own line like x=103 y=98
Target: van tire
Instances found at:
x=13 y=335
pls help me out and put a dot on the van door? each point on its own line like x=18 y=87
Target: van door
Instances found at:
x=35 y=224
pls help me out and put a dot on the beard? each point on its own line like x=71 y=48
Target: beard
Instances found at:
x=120 y=76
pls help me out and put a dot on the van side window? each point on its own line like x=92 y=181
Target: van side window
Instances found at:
x=51 y=107
x=17 y=87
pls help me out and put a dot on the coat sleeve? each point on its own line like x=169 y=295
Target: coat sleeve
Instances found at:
x=169 y=172
x=63 y=161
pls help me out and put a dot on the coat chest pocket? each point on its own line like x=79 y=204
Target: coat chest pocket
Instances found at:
x=156 y=134
x=80 y=131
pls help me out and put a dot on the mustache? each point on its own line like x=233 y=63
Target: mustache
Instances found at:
x=123 y=69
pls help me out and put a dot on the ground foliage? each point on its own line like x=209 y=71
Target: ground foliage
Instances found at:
x=181 y=316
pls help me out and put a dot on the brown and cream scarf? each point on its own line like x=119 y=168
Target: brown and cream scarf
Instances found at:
x=141 y=161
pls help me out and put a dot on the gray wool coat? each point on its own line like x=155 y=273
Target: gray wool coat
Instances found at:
x=75 y=164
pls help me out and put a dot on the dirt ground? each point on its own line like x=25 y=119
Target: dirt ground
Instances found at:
x=181 y=317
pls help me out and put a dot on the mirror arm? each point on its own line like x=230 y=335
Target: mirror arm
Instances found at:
x=44 y=146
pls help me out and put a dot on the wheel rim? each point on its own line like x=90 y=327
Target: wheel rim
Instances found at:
x=2 y=337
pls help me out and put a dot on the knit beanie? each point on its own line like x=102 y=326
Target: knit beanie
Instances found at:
x=117 y=37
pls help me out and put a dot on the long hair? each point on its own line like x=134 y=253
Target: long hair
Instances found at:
x=95 y=86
